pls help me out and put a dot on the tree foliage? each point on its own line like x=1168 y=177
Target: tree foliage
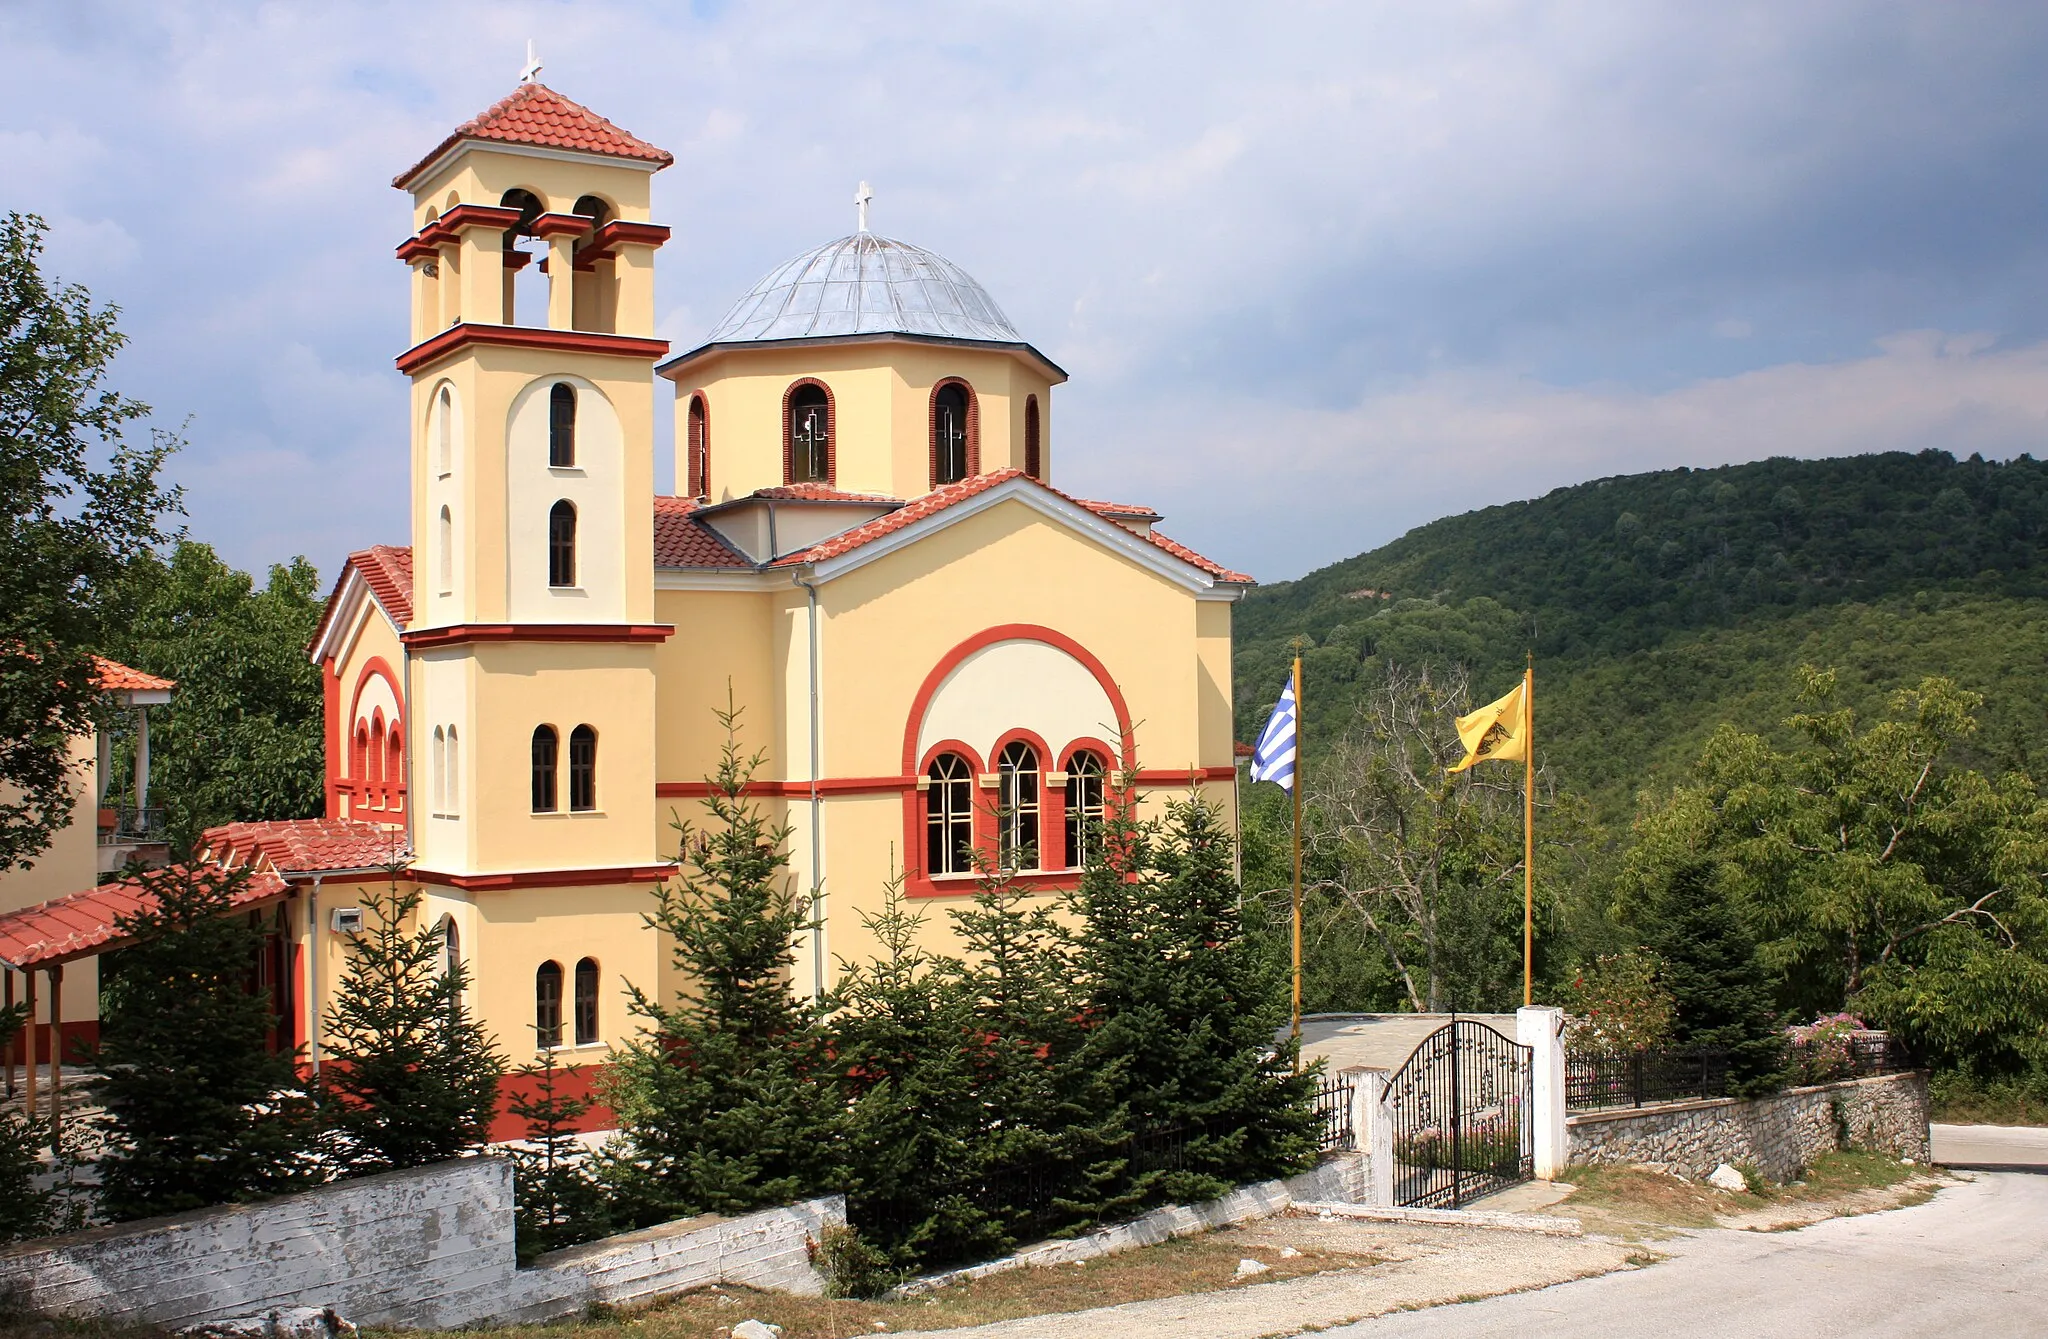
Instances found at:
x=241 y=739
x=197 y=1108
x=557 y=1198
x=411 y=1077
x=720 y=1100
x=78 y=502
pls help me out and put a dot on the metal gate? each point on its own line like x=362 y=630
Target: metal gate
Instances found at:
x=1460 y=1109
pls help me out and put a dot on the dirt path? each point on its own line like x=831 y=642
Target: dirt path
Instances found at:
x=1424 y=1266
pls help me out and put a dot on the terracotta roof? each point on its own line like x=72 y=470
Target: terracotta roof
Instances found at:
x=308 y=845
x=535 y=114
x=820 y=493
x=387 y=571
x=81 y=923
x=940 y=499
x=681 y=539
x=1131 y=509
x=116 y=677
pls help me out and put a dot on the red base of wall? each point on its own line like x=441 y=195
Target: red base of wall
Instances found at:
x=79 y=1039
x=576 y=1082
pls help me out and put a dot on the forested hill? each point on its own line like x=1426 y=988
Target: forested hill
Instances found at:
x=1687 y=595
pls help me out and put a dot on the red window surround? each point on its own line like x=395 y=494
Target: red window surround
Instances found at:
x=831 y=432
x=1033 y=455
x=931 y=430
x=697 y=443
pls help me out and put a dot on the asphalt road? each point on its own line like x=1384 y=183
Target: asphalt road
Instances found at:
x=1996 y=1148
x=1968 y=1263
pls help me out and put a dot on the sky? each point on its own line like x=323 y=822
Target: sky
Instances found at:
x=1319 y=273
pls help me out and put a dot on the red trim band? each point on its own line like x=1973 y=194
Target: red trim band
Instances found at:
x=553 y=225
x=1181 y=776
x=838 y=785
x=457 y=337
x=545 y=878
x=462 y=634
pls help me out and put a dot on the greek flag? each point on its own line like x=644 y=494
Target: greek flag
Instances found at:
x=1273 y=759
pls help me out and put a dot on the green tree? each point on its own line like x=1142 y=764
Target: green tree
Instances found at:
x=1184 y=1008
x=1720 y=992
x=558 y=1200
x=197 y=1109
x=721 y=1099
x=242 y=737
x=1875 y=873
x=25 y=1210
x=77 y=504
x=905 y=1038
x=411 y=1077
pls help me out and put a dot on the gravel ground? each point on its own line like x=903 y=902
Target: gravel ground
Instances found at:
x=1425 y=1266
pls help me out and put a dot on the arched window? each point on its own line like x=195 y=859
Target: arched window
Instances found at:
x=562 y=426
x=699 y=448
x=444 y=538
x=562 y=544
x=1017 y=806
x=547 y=1005
x=582 y=769
x=951 y=434
x=523 y=288
x=1034 y=464
x=394 y=765
x=949 y=816
x=1085 y=809
x=454 y=773
x=451 y=965
x=362 y=762
x=810 y=436
x=545 y=744
x=586 y=1002
x=440 y=770
x=375 y=775
x=444 y=452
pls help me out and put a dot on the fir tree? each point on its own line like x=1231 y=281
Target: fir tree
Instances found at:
x=197 y=1109
x=25 y=1209
x=721 y=1099
x=558 y=1199
x=1185 y=1007
x=412 y=1078
x=902 y=1037
x=1721 y=992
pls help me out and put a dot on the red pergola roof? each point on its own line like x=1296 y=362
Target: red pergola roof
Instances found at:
x=535 y=114
x=116 y=677
x=80 y=924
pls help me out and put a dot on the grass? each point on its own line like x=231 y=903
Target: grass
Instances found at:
x=1203 y=1263
x=1635 y=1204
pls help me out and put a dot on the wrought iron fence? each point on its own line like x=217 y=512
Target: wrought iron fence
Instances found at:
x=134 y=825
x=1641 y=1078
x=1459 y=1107
x=1333 y=1112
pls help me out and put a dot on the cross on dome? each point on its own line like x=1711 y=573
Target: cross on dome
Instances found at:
x=861 y=198
x=532 y=70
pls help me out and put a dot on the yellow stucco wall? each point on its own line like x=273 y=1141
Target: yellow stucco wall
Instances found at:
x=70 y=865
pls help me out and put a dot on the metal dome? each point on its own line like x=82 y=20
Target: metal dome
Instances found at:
x=866 y=285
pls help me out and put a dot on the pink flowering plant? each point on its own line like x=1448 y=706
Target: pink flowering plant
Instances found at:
x=1615 y=1005
x=1824 y=1049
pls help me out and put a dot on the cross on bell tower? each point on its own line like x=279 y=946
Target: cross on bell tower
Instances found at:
x=861 y=198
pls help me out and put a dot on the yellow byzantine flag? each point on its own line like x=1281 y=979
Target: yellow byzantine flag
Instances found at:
x=1498 y=731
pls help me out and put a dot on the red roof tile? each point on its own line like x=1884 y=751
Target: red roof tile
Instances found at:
x=387 y=570
x=821 y=493
x=535 y=114
x=82 y=923
x=116 y=677
x=1129 y=509
x=681 y=539
x=308 y=845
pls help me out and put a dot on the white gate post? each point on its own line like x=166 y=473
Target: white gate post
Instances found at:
x=1537 y=1028
x=1372 y=1130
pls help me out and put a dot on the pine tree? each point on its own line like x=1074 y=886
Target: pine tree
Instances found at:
x=722 y=1099
x=412 y=1078
x=558 y=1200
x=1721 y=991
x=197 y=1109
x=902 y=1038
x=25 y=1210
x=1185 y=1007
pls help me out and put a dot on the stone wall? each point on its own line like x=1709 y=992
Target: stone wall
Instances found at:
x=1779 y=1135
x=426 y=1248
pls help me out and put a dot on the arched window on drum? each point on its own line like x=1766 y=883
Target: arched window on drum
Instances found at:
x=949 y=816
x=1086 y=809
x=1017 y=806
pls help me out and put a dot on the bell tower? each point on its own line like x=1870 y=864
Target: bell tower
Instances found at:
x=532 y=643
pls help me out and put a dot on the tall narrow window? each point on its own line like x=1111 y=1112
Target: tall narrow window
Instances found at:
x=699 y=448
x=454 y=774
x=586 y=1002
x=582 y=769
x=377 y=778
x=1085 y=810
x=1034 y=464
x=1017 y=806
x=547 y=1006
x=362 y=763
x=545 y=744
x=440 y=771
x=562 y=426
x=810 y=436
x=949 y=434
x=444 y=453
x=562 y=544
x=451 y=966
x=949 y=816
x=444 y=539
x=394 y=765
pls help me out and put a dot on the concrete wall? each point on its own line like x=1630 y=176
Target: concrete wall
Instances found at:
x=1778 y=1135
x=428 y=1248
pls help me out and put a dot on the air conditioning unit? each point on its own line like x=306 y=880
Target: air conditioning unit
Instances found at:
x=347 y=920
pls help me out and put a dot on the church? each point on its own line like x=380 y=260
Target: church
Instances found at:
x=934 y=651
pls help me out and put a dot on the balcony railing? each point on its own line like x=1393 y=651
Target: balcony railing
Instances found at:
x=132 y=825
